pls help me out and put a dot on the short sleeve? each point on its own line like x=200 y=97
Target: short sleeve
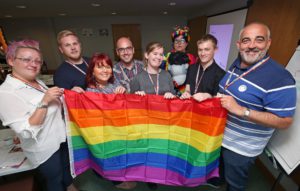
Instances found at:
x=281 y=101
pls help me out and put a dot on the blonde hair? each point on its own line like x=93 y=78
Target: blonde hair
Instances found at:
x=208 y=37
x=151 y=47
x=65 y=33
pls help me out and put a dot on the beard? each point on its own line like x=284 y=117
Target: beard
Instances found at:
x=252 y=59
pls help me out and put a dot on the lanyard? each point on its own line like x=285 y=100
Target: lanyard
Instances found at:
x=156 y=88
x=197 y=82
x=227 y=84
x=125 y=75
x=41 y=89
x=77 y=68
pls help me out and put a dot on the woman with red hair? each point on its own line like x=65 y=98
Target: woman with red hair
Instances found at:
x=100 y=78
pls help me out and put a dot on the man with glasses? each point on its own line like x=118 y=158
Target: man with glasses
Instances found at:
x=127 y=67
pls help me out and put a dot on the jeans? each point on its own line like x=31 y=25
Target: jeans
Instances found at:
x=236 y=169
x=56 y=170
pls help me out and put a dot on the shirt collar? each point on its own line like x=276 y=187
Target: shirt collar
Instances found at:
x=17 y=84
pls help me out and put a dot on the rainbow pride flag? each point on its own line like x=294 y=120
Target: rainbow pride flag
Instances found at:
x=150 y=139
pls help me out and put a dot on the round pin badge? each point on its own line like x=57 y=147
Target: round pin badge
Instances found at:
x=242 y=88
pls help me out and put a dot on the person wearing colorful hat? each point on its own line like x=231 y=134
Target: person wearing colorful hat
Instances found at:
x=178 y=60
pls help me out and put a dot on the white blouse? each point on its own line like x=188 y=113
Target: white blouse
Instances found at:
x=18 y=102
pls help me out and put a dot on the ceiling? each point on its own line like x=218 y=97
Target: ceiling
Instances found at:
x=83 y=8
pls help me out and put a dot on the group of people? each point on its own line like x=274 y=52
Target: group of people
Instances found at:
x=259 y=94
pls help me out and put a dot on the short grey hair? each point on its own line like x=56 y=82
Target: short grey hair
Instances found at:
x=256 y=23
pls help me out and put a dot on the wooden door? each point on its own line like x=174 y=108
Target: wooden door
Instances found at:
x=133 y=32
x=197 y=30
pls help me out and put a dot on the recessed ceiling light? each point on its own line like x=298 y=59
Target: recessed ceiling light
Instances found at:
x=62 y=14
x=8 y=16
x=21 y=6
x=172 y=3
x=113 y=13
x=95 y=4
x=165 y=12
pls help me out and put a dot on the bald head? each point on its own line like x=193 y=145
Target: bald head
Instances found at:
x=123 y=40
x=257 y=25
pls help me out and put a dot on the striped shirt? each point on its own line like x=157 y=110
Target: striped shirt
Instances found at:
x=268 y=88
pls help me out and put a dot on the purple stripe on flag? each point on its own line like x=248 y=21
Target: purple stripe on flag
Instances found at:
x=145 y=174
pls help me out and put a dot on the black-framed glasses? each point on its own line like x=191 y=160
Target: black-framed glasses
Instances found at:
x=29 y=60
x=123 y=50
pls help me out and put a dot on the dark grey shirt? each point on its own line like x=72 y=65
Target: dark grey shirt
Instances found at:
x=142 y=82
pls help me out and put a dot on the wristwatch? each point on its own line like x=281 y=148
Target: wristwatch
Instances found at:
x=41 y=105
x=247 y=113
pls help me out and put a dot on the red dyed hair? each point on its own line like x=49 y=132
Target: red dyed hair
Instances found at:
x=98 y=59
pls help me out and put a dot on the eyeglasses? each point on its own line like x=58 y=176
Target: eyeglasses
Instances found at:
x=29 y=60
x=179 y=41
x=127 y=49
x=104 y=67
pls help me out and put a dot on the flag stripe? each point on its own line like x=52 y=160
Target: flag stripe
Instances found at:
x=96 y=135
x=208 y=125
x=148 y=159
x=173 y=148
x=151 y=174
x=150 y=102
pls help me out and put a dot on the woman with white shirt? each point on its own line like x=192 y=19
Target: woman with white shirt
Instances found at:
x=34 y=112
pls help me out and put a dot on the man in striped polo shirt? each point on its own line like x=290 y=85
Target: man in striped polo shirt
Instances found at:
x=260 y=96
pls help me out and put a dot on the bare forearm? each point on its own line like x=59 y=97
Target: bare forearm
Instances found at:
x=38 y=117
x=269 y=119
x=260 y=117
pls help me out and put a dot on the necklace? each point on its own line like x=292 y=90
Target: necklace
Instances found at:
x=198 y=81
x=156 y=87
x=134 y=68
x=100 y=86
x=227 y=84
x=77 y=68
x=39 y=87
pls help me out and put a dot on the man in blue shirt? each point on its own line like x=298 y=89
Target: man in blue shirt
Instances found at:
x=71 y=73
x=260 y=96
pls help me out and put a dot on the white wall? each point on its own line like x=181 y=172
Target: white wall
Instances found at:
x=45 y=30
x=237 y=18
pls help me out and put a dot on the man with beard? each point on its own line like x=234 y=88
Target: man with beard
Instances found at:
x=71 y=73
x=127 y=67
x=260 y=96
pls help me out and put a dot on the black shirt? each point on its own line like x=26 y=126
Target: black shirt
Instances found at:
x=210 y=79
x=67 y=76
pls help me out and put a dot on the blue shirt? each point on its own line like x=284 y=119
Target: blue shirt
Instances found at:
x=268 y=88
x=67 y=76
